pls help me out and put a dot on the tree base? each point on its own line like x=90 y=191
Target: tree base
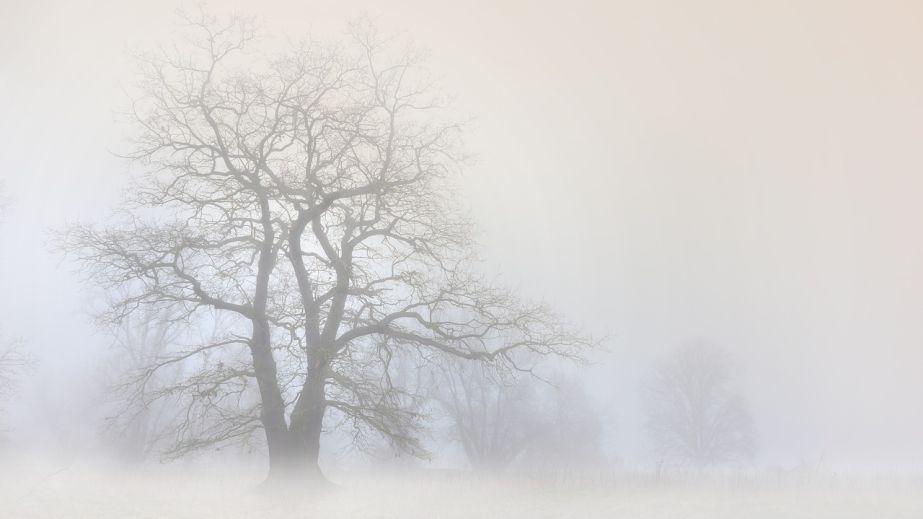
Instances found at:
x=299 y=480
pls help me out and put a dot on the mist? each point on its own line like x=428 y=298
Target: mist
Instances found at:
x=616 y=228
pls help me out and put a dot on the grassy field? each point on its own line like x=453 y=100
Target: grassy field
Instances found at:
x=177 y=492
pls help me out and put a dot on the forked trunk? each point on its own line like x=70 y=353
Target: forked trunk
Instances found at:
x=288 y=458
x=308 y=415
x=294 y=454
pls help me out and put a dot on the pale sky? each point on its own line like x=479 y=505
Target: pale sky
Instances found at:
x=746 y=173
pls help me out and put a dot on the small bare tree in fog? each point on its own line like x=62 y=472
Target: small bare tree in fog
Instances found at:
x=409 y=375
x=501 y=418
x=14 y=360
x=571 y=433
x=307 y=196
x=694 y=414
x=141 y=339
x=493 y=415
x=4 y=201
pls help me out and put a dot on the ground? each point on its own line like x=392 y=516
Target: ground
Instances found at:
x=173 y=491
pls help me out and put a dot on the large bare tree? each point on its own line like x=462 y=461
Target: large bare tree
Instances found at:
x=695 y=415
x=307 y=194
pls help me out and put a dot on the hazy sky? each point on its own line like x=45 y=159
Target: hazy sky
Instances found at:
x=746 y=173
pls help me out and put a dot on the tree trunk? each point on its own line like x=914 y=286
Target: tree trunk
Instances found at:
x=288 y=462
x=308 y=416
x=285 y=456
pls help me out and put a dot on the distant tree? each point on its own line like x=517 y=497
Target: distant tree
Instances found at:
x=4 y=200
x=139 y=415
x=409 y=376
x=571 y=433
x=503 y=418
x=14 y=360
x=694 y=414
x=492 y=414
x=160 y=395
x=306 y=195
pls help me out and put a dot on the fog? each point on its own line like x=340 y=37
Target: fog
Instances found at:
x=661 y=175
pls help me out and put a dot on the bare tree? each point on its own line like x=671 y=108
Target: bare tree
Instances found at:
x=139 y=415
x=4 y=201
x=493 y=415
x=409 y=376
x=14 y=360
x=502 y=419
x=694 y=414
x=570 y=436
x=308 y=196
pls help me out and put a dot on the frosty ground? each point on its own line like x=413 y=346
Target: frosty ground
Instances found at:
x=77 y=491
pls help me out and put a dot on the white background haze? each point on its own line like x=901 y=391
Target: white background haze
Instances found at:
x=743 y=173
